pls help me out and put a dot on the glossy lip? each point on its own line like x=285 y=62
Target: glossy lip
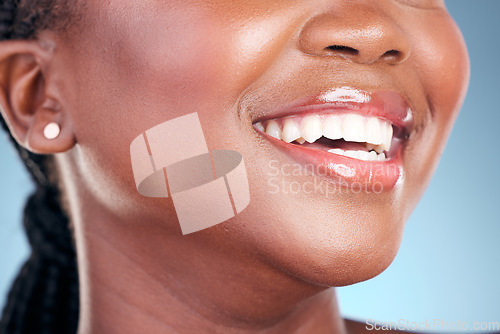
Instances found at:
x=373 y=176
x=385 y=104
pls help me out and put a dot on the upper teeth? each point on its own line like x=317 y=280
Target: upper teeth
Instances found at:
x=376 y=132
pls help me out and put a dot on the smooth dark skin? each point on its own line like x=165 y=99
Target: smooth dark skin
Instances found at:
x=129 y=65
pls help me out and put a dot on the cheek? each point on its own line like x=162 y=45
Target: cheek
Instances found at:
x=168 y=62
x=134 y=75
x=170 y=66
x=442 y=65
x=444 y=71
x=185 y=54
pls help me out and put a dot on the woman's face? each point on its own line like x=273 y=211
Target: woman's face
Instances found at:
x=321 y=217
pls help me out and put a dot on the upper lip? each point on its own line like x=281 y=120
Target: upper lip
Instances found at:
x=385 y=104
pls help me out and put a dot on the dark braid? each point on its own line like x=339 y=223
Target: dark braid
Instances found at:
x=44 y=297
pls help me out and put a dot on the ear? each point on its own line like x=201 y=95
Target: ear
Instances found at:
x=25 y=101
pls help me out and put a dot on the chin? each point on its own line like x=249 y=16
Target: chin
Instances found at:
x=351 y=261
x=335 y=251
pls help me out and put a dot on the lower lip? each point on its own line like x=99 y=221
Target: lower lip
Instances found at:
x=370 y=176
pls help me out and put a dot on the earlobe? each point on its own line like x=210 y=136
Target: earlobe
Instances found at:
x=33 y=117
x=50 y=132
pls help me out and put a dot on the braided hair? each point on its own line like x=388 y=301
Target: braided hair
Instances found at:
x=44 y=298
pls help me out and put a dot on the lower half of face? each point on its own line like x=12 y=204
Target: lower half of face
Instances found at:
x=340 y=131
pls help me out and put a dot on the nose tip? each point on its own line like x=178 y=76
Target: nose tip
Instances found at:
x=355 y=36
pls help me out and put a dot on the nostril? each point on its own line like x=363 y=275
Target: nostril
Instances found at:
x=346 y=50
x=392 y=55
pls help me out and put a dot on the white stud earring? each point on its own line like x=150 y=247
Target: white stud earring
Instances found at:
x=51 y=130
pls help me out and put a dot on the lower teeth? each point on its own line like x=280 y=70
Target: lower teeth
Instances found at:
x=361 y=155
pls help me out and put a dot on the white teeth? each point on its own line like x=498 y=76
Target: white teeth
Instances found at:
x=360 y=155
x=374 y=132
x=363 y=155
x=353 y=128
x=351 y=154
x=260 y=127
x=336 y=151
x=310 y=128
x=332 y=127
x=387 y=140
x=273 y=129
x=291 y=131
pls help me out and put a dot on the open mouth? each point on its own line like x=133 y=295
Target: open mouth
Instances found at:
x=351 y=135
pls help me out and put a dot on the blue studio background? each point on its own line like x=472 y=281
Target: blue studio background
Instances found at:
x=449 y=262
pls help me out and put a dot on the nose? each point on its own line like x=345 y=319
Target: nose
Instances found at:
x=357 y=32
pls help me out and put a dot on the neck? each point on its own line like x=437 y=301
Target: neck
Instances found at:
x=140 y=276
x=149 y=287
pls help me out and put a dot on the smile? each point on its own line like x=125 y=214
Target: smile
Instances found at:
x=350 y=136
